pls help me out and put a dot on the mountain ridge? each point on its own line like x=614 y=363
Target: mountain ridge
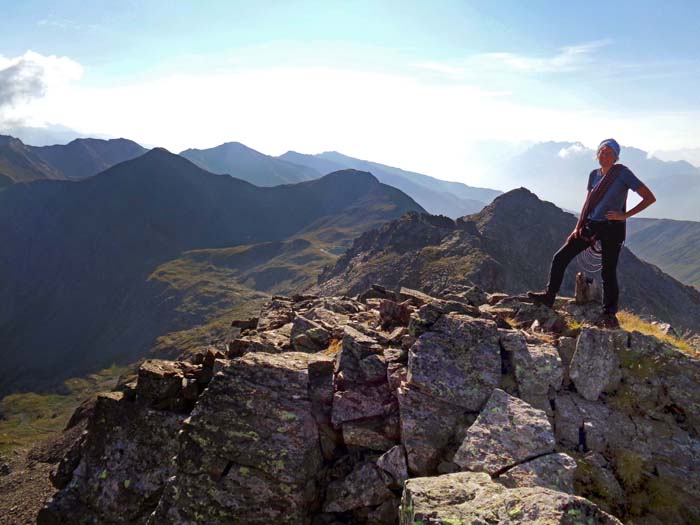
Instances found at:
x=143 y=212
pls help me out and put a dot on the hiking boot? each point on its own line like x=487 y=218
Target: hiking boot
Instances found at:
x=607 y=320
x=544 y=298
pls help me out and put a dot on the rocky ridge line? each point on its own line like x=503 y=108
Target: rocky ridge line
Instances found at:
x=397 y=407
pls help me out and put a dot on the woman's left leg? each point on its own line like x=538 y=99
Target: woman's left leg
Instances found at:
x=611 y=240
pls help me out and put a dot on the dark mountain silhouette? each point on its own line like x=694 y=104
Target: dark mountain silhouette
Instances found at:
x=20 y=163
x=440 y=197
x=674 y=246
x=77 y=258
x=79 y=159
x=507 y=246
x=240 y=161
x=82 y=158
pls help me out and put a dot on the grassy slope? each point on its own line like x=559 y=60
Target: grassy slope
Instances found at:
x=219 y=285
x=674 y=246
x=28 y=418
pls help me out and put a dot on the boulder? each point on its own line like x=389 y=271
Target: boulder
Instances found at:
x=548 y=319
x=363 y=487
x=376 y=291
x=393 y=462
x=594 y=479
x=249 y=452
x=472 y=498
x=308 y=336
x=459 y=362
x=553 y=471
x=394 y=314
x=539 y=373
x=385 y=514
x=507 y=432
x=371 y=434
x=122 y=466
x=660 y=381
x=416 y=297
x=427 y=426
x=363 y=402
x=159 y=381
x=275 y=314
x=595 y=366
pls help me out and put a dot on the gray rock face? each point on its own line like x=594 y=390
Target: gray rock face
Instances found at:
x=328 y=436
x=595 y=480
x=368 y=401
x=507 y=432
x=595 y=366
x=308 y=336
x=472 y=498
x=372 y=434
x=350 y=361
x=659 y=380
x=394 y=463
x=275 y=314
x=537 y=368
x=458 y=362
x=124 y=464
x=427 y=426
x=250 y=450
x=553 y=471
x=364 y=487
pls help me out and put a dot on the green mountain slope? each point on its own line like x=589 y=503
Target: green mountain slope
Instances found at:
x=674 y=246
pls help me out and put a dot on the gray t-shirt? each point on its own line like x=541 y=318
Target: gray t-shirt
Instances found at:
x=616 y=197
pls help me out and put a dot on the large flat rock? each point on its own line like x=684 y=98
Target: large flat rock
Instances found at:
x=458 y=361
x=250 y=450
x=507 y=432
x=472 y=498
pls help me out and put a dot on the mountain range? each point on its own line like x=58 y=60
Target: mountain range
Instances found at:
x=439 y=197
x=154 y=251
x=82 y=278
x=436 y=196
x=78 y=159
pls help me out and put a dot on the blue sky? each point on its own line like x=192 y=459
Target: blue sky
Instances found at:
x=398 y=82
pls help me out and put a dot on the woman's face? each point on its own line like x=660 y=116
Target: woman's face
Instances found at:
x=606 y=156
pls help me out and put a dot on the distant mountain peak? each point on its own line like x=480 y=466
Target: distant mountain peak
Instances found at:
x=159 y=149
x=357 y=175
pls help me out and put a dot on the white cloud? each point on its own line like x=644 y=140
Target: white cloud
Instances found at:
x=574 y=149
x=567 y=59
x=29 y=78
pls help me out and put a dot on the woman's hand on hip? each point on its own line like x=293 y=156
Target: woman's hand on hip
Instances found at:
x=615 y=216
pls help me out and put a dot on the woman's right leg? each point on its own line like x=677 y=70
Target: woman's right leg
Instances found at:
x=561 y=260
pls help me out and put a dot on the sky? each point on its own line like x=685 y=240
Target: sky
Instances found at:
x=434 y=87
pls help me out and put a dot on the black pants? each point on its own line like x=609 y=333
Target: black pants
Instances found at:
x=611 y=235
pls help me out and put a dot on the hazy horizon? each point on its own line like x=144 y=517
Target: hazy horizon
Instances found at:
x=434 y=89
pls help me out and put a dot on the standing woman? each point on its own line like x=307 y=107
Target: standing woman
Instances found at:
x=602 y=219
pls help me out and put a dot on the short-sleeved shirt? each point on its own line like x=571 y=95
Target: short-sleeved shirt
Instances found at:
x=615 y=199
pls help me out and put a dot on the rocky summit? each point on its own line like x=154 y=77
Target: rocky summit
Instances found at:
x=507 y=246
x=396 y=407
